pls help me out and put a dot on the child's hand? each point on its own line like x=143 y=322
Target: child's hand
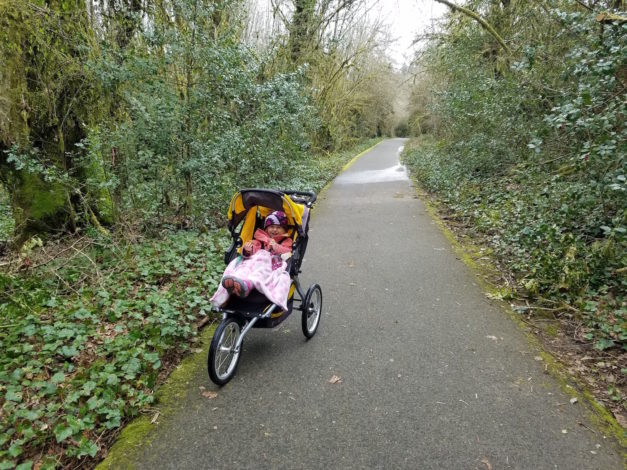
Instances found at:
x=248 y=246
x=273 y=244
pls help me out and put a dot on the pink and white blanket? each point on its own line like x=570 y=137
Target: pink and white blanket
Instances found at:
x=273 y=283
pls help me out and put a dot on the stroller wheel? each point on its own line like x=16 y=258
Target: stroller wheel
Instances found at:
x=223 y=357
x=312 y=309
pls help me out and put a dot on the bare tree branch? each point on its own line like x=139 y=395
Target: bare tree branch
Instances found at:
x=478 y=19
x=584 y=5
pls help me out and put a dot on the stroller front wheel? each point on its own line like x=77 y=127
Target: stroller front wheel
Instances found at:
x=312 y=309
x=223 y=356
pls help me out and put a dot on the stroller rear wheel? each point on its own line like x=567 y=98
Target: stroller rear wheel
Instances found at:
x=312 y=308
x=223 y=357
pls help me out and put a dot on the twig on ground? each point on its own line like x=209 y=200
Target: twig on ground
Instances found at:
x=57 y=255
x=63 y=281
x=203 y=322
x=583 y=425
x=89 y=258
x=20 y=303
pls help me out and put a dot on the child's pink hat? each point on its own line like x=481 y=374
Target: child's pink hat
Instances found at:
x=276 y=218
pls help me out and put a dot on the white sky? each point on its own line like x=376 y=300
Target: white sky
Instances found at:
x=408 y=18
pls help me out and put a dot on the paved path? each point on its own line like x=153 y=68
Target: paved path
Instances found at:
x=432 y=375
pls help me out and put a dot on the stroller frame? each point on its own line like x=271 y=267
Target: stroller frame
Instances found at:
x=246 y=211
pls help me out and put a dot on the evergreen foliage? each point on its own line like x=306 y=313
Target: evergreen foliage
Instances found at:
x=529 y=150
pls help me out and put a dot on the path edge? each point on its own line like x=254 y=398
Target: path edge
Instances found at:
x=170 y=398
x=349 y=164
x=600 y=417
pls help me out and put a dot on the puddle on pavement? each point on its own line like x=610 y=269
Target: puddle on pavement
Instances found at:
x=393 y=173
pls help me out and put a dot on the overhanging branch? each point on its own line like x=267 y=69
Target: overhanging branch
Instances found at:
x=478 y=19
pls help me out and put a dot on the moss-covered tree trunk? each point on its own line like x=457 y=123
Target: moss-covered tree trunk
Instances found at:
x=302 y=30
x=49 y=99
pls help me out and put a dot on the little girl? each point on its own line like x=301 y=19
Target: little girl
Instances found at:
x=260 y=266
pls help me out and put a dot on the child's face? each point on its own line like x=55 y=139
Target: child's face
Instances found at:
x=275 y=230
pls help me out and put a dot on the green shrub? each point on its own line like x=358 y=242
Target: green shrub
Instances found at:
x=533 y=158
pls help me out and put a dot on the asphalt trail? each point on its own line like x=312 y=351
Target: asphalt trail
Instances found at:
x=432 y=375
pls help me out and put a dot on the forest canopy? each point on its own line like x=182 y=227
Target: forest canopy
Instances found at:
x=155 y=111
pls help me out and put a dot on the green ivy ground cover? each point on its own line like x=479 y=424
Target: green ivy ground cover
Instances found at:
x=83 y=345
x=86 y=335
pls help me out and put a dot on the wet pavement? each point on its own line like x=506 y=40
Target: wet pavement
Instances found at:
x=412 y=366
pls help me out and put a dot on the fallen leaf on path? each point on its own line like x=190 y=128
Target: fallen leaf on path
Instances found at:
x=487 y=463
x=564 y=431
x=209 y=394
x=155 y=418
x=573 y=401
x=492 y=337
x=336 y=379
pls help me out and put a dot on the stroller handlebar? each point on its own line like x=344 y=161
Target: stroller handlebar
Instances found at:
x=306 y=197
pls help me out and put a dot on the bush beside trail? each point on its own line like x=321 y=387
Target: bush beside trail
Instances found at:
x=527 y=146
x=533 y=229
x=523 y=143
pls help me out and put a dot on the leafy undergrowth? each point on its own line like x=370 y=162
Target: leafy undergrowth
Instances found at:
x=91 y=325
x=85 y=336
x=559 y=264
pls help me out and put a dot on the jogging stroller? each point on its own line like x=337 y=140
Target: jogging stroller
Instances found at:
x=247 y=211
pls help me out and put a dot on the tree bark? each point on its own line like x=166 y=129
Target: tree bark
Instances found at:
x=301 y=28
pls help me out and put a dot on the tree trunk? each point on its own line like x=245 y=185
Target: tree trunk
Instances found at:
x=301 y=35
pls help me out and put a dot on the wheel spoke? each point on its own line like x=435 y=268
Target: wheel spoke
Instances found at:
x=226 y=356
x=313 y=305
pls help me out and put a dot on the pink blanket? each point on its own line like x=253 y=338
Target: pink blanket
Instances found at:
x=274 y=284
